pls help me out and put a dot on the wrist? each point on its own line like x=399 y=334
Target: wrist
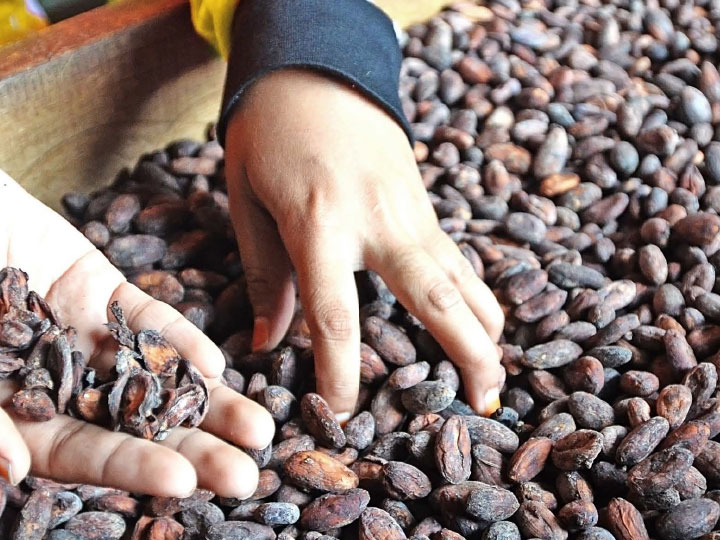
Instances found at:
x=350 y=40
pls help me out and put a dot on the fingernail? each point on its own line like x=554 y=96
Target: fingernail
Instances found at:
x=6 y=471
x=492 y=401
x=343 y=417
x=261 y=333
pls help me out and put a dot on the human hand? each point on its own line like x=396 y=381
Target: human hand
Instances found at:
x=322 y=180
x=79 y=283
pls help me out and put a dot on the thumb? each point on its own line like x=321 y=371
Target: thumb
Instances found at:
x=267 y=270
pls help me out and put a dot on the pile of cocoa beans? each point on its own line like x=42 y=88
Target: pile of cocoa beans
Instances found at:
x=572 y=150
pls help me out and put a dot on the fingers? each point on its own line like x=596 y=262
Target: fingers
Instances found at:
x=424 y=289
x=237 y=418
x=220 y=467
x=267 y=271
x=69 y=450
x=330 y=303
x=14 y=455
x=476 y=294
x=144 y=312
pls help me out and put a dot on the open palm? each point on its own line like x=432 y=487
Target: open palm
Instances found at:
x=79 y=283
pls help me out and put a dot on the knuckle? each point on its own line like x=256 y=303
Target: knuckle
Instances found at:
x=322 y=194
x=408 y=260
x=317 y=215
x=333 y=323
x=106 y=470
x=233 y=414
x=136 y=311
x=62 y=440
x=257 y=280
x=316 y=165
x=485 y=361
x=443 y=296
x=465 y=362
x=463 y=271
x=172 y=326
x=342 y=389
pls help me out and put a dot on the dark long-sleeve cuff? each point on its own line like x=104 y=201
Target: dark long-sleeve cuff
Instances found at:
x=349 y=39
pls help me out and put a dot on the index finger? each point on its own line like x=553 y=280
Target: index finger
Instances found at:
x=70 y=450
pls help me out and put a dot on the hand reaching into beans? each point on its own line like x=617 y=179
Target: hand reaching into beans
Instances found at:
x=79 y=283
x=324 y=182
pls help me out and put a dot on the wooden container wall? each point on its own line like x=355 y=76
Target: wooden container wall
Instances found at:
x=84 y=98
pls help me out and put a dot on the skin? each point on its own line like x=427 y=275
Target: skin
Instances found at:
x=322 y=183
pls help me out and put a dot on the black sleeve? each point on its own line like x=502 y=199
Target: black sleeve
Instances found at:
x=349 y=39
x=59 y=10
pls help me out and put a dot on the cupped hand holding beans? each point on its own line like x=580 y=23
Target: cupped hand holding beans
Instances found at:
x=79 y=283
x=323 y=182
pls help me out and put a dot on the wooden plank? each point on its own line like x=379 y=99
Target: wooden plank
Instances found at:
x=86 y=97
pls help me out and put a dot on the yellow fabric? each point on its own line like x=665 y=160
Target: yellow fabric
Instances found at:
x=16 y=22
x=213 y=21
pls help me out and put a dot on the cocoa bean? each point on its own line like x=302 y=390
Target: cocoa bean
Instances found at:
x=389 y=341
x=427 y=397
x=320 y=422
x=529 y=459
x=689 y=519
x=536 y=521
x=491 y=503
x=625 y=521
x=577 y=450
x=452 y=450
x=314 y=470
x=376 y=524
x=552 y=354
x=641 y=441
x=589 y=411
